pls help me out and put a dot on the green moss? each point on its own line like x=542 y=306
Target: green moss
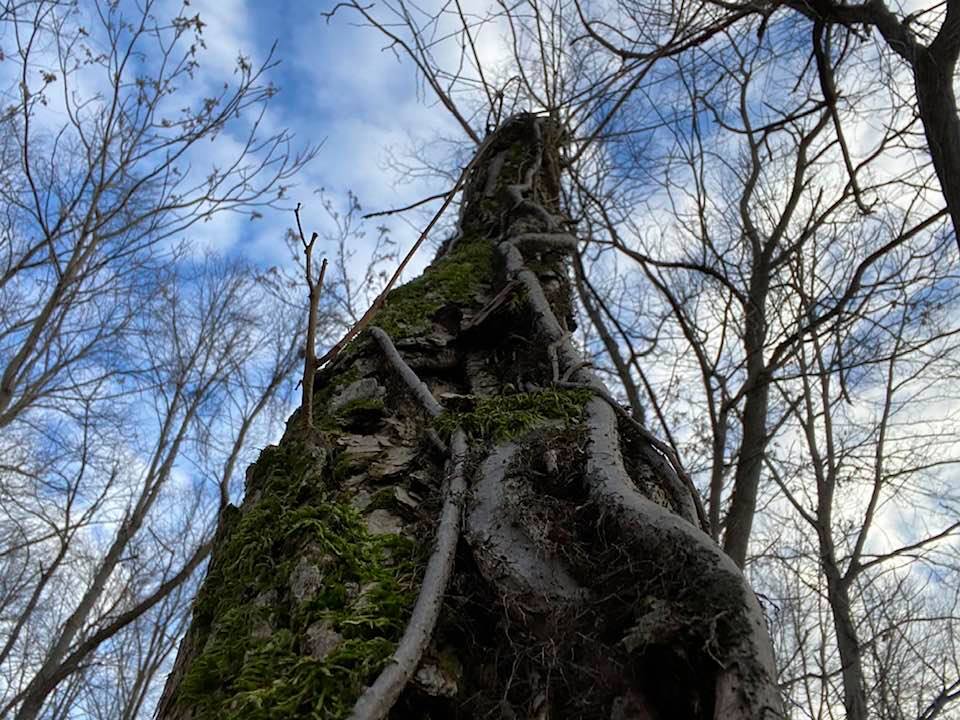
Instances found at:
x=346 y=465
x=502 y=417
x=361 y=406
x=384 y=498
x=250 y=632
x=323 y=393
x=455 y=278
x=518 y=300
x=328 y=383
x=449 y=663
x=360 y=413
x=341 y=379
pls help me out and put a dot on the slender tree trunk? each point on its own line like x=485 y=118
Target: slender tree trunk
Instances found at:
x=848 y=645
x=582 y=587
x=753 y=442
x=743 y=505
x=934 y=76
x=717 y=472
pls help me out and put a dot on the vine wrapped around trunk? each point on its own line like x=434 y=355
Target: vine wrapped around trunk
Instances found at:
x=583 y=585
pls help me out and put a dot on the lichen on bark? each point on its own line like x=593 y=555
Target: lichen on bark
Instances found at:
x=583 y=586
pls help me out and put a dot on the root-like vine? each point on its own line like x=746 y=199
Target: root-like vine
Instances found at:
x=379 y=698
x=507 y=556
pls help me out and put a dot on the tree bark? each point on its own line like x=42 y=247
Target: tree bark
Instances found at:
x=753 y=444
x=582 y=587
x=934 y=74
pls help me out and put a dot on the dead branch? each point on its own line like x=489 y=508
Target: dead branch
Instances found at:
x=310 y=352
x=379 y=698
x=413 y=381
x=411 y=206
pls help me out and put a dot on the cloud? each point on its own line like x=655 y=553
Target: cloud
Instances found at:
x=341 y=86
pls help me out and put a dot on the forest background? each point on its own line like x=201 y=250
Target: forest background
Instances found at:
x=768 y=274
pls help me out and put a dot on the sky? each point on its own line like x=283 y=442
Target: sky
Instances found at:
x=339 y=87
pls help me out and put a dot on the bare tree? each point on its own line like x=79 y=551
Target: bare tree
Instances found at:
x=717 y=286
x=207 y=333
x=93 y=200
x=925 y=41
x=872 y=440
x=928 y=42
x=763 y=322
x=134 y=371
x=314 y=288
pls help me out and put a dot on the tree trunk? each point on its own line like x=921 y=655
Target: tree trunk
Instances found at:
x=934 y=75
x=848 y=645
x=753 y=444
x=583 y=585
x=753 y=441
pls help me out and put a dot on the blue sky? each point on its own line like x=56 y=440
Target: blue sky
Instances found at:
x=337 y=86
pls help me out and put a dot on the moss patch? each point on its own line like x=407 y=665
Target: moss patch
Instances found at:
x=501 y=417
x=360 y=414
x=346 y=466
x=328 y=382
x=251 y=629
x=455 y=278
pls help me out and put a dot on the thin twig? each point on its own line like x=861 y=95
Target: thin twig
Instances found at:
x=418 y=203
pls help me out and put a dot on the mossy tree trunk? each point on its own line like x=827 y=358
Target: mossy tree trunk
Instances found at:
x=583 y=584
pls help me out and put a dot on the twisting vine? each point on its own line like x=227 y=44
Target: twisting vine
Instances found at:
x=379 y=697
